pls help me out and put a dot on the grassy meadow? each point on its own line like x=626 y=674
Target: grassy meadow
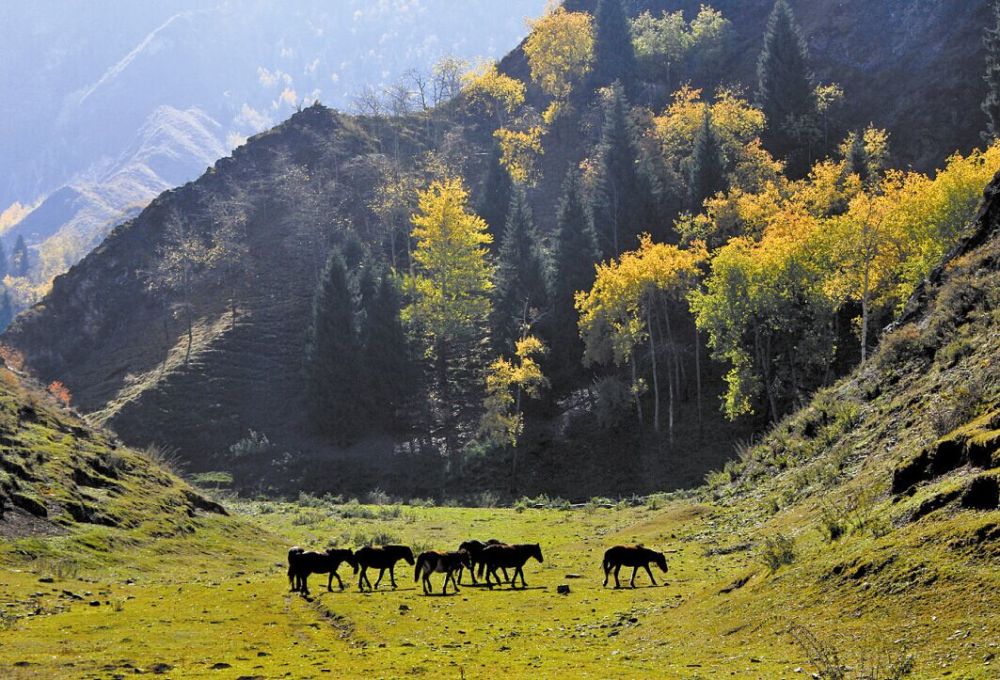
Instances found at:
x=107 y=603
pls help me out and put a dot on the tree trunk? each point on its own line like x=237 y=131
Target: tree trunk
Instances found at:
x=697 y=372
x=656 y=380
x=635 y=392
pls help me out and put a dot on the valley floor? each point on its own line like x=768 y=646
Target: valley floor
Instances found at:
x=102 y=603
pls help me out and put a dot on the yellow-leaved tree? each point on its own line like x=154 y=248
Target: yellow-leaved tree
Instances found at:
x=500 y=94
x=507 y=381
x=450 y=285
x=629 y=304
x=560 y=51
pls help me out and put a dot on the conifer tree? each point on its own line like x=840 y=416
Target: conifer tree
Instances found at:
x=333 y=356
x=857 y=159
x=6 y=310
x=785 y=83
x=576 y=252
x=624 y=197
x=19 y=259
x=614 y=54
x=991 y=104
x=706 y=169
x=387 y=358
x=496 y=196
x=520 y=277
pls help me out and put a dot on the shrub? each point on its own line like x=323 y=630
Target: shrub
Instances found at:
x=777 y=551
x=389 y=512
x=378 y=497
x=422 y=502
x=60 y=392
x=486 y=499
x=216 y=479
x=255 y=443
x=164 y=457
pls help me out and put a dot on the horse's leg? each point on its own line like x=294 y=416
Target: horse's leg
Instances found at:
x=632 y=581
x=329 y=583
x=381 y=573
x=519 y=570
x=363 y=577
x=618 y=568
x=607 y=573
x=339 y=581
x=505 y=576
x=305 y=583
x=648 y=571
x=392 y=575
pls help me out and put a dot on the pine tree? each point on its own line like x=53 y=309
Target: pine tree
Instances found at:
x=576 y=252
x=614 y=54
x=785 y=83
x=496 y=196
x=6 y=310
x=520 y=276
x=390 y=371
x=3 y=261
x=991 y=104
x=333 y=356
x=706 y=170
x=625 y=195
x=857 y=159
x=20 y=262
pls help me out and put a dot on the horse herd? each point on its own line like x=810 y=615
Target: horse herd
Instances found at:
x=488 y=558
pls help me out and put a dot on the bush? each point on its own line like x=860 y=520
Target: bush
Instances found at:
x=378 y=497
x=216 y=480
x=254 y=444
x=777 y=551
x=164 y=457
x=486 y=499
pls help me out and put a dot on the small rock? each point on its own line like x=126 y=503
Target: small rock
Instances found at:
x=563 y=589
x=95 y=603
x=404 y=607
x=220 y=666
x=574 y=575
x=46 y=579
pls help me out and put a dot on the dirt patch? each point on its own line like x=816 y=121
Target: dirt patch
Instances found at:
x=17 y=523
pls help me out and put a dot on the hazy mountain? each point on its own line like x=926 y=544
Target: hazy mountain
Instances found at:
x=108 y=103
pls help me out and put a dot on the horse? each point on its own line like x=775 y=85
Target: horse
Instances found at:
x=447 y=563
x=475 y=549
x=634 y=556
x=509 y=556
x=302 y=564
x=381 y=558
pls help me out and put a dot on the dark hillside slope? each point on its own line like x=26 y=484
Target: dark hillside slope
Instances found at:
x=913 y=67
x=56 y=471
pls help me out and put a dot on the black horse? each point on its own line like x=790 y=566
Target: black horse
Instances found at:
x=634 y=556
x=509 y=556
x=475 y=550
x=447 y=563
x=382 y=558
x=302 y=564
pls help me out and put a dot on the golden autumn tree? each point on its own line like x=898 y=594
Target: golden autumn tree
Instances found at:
x=500 y=94
x=560 y=52
x=450 y=284
x=629 y=304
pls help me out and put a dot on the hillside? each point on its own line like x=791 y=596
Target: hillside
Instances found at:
x=58 y=474
x=151 y=362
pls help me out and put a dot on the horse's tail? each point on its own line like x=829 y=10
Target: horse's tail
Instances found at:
x=606 y=564
x=418 y=567
x=482 y=567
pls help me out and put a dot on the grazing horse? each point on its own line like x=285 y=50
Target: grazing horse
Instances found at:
x=475 y=550
x=447 y=563
x=509 y=556
x=381 y=558
x=302 y=564
x=634 y=556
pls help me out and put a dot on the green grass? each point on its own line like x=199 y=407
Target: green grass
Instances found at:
x=219 y=595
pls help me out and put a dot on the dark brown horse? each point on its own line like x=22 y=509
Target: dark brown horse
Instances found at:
x=634 y=556
x=447 y=563
x=302 y=564
x=475 y=550
x=382 y=558
x=509 y=557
